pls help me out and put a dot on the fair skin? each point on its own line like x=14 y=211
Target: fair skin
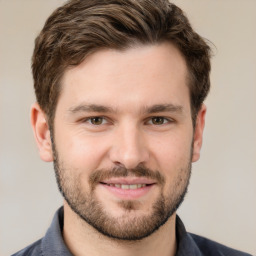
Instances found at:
x=130 y=85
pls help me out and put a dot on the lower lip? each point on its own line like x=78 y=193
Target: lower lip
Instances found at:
x=128 y=194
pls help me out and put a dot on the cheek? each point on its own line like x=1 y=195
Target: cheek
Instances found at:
x=173 y=161
x=80 y=151
x=171 y=153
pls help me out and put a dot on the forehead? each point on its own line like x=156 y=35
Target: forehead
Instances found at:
x=142 y=74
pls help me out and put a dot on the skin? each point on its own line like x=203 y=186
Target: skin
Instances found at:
x=129 y=84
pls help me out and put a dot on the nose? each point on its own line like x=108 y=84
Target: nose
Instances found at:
x=129 y=147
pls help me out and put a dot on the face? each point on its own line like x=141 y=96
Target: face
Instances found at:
x=123 y=139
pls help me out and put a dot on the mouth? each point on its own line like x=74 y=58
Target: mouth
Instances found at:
x=126 y=186
x=128 y=189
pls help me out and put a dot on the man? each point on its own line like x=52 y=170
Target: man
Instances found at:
x=120 y=86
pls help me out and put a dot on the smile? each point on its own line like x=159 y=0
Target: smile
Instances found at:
x=127 y=186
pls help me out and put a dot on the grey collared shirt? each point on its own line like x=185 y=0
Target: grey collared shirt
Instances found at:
x=188 y=244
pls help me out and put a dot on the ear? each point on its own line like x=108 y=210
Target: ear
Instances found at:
x=198 y=133
x=41 y=132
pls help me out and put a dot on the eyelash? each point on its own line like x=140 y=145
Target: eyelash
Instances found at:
x=164 y=119
x=149 y=121
x=89 y=120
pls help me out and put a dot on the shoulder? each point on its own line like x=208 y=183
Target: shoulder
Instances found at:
x=31 y=250
x=212 y=248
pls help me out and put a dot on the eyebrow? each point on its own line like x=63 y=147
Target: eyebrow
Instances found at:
x=91 y=108
x=146 y=109
x=163 y=108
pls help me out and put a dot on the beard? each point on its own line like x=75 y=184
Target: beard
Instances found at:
x=130 y=226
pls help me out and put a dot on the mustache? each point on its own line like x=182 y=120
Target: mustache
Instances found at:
x=119 y=171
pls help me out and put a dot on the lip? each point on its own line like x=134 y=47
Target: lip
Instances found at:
x=129 y=180
x=128 y=194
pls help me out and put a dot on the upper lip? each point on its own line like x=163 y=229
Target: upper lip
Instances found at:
x=129 y=180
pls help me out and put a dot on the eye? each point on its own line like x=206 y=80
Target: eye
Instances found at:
x=158 y=120
x=97 y=120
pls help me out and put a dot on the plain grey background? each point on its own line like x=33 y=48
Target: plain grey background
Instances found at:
x=221 y=203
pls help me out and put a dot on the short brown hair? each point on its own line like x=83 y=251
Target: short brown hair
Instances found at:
x=81 y=27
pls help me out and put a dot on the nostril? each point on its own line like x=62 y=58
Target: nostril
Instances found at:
x=119 y=164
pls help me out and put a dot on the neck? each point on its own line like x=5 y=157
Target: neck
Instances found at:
x=82 y=239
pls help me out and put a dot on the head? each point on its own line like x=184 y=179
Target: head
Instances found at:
x=120 y=87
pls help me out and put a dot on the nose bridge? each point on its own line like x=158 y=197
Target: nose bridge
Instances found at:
x=129 y=146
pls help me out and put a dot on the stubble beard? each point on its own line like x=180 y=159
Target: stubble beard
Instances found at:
x=129 y=226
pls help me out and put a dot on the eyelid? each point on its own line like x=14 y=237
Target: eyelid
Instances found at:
x=87 y=120
x=106 y=120
x=167 y=120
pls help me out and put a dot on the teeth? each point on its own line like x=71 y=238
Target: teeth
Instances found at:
x=134 y=186
x=127 y=186
x=124 y=186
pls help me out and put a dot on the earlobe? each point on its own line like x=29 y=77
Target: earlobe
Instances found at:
x=198 y=133
x=41 y=132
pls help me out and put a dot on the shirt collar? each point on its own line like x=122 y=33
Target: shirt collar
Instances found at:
x=185 y=243
x=53 y=243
